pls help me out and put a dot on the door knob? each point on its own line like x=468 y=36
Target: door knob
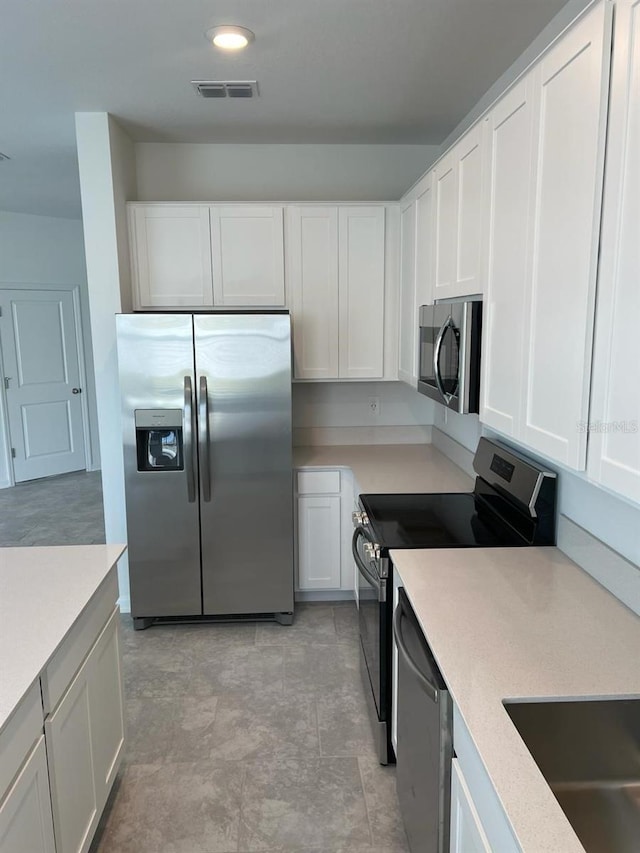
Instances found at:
x=76 y=390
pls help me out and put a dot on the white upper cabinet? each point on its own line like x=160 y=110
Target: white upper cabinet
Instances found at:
x=572 y=86
x=192 y=256
x=407 y=345
x=247 y=245
x=361 y=292
x=312 y=258
x=459 y=216
x=424 y=242
x=415 y=274
x=511 y=189
x=614 y=443
x=336 y=269
x=170 y=256
x=545 y=141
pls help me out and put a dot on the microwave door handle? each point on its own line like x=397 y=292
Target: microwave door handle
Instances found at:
x=189 y=444
x=436 y=358
x=427 y=686
x=203 y=439
x=362 y=568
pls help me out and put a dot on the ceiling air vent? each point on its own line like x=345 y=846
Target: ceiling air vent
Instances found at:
x=226 y=88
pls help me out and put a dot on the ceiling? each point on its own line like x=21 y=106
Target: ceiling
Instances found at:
x=329 y=71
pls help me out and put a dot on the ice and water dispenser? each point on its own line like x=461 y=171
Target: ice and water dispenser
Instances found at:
x=159 y=439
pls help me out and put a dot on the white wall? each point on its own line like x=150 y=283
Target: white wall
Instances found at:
x=346 y=404
x=204 y=172
x=611 y=519
x=46 y=251
x=107 y=179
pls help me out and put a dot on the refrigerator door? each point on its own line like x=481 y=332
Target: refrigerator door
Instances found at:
x=155 y=355
x=243 y=374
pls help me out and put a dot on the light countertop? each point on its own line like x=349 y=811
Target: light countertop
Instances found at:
x=42 y=593
x=520 y=623
x=389 y=468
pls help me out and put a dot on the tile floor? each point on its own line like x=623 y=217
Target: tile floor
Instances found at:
x=245 y=737
x=64 y=510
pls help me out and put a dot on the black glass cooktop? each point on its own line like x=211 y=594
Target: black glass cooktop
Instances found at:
x=436 y=521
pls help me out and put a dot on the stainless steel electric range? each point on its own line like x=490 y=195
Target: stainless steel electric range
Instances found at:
x=512 y=505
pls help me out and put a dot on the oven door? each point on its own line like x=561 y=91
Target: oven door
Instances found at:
x=373 y=614
x=450 y=354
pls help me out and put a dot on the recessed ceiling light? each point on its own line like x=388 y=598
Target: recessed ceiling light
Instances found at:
x=230 y=37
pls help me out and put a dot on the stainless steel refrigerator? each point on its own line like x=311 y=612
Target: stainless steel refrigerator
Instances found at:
x=206 y=408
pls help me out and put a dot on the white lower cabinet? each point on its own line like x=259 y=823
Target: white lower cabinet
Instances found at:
x=85 y=739
x=324 y=501
x=25 y=811
x=467 y=833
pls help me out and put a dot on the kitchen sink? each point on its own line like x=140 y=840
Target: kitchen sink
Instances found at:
x=589 y=753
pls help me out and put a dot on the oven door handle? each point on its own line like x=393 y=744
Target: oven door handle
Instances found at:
x=436 y=358
x=431 y=691
x=364 y=570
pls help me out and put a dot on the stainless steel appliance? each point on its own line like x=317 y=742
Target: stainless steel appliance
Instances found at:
x=512 y=505
x=206 y=409
x=425 y=743
x=450 y=337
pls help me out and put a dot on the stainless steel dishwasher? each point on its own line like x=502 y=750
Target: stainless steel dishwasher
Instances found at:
x=424 y=739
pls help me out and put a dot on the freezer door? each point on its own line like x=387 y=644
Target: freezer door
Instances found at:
x=155 y=356
x=243 y=373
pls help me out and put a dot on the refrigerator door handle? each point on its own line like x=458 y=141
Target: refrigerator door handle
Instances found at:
x=189 y=446
x=203 y=438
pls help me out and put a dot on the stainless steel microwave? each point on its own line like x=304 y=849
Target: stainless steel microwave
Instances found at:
x=449 y=372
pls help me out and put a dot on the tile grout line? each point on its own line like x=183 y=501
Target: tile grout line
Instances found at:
x=366 y=804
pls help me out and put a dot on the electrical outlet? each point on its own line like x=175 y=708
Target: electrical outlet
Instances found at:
x=374 y=406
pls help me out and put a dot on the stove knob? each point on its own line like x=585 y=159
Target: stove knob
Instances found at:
x=359 y=518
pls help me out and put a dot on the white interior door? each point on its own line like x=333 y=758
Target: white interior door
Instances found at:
x=42 y=381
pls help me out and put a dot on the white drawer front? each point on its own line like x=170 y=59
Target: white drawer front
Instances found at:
x=318 y=482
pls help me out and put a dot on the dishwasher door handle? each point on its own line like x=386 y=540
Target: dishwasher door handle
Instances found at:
x=430 y=689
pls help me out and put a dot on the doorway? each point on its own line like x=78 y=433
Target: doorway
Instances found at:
x=43 y=376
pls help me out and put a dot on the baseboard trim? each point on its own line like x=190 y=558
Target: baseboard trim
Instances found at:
x=324 y=595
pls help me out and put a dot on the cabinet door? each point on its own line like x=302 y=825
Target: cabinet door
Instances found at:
x=407 y=348
x=25 y=812
x=107 y=707
x=85 y=740
x=445 y=216
x=511 y=190
x=614 y=443
x=73 y=786
x=312 y=253
x=319 y=542
x=459 y=215
x=170 y=256
x=361 y=289
x=424 y=229
x=467 y=834
x=469 y=163
x=247 y=245
x=572 y=84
